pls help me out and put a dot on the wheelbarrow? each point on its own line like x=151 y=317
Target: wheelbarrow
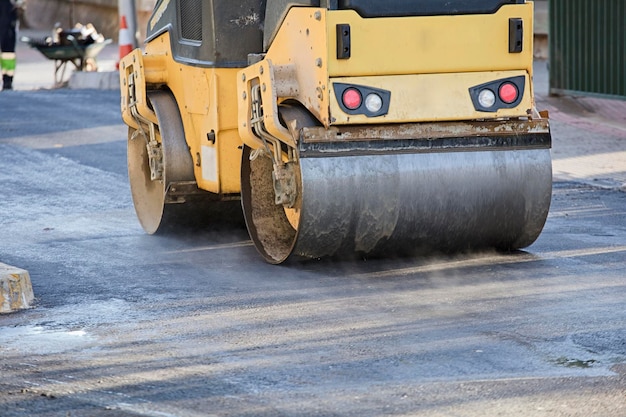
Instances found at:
x=70 y=47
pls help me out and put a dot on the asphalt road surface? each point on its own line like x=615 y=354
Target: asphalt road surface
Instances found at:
x=196 y=324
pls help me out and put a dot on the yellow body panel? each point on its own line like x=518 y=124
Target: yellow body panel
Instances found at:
x=133 y=89
x=206 y=98
x=430 y=44
x=428 y=63
x=295 y=67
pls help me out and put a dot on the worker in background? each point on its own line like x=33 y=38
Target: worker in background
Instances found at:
x=8 y=29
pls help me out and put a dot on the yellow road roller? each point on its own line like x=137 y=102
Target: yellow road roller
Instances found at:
x=342 y=126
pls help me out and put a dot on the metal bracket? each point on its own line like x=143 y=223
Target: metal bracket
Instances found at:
x=285 y=188
x=153 y=147
x=284 y=173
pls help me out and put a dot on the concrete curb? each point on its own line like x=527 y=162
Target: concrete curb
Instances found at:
x=16 y=291
x=109 y=80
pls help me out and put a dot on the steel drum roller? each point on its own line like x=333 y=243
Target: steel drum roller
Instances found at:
x=404 y=203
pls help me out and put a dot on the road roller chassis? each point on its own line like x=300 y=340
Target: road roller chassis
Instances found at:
x=343 y=126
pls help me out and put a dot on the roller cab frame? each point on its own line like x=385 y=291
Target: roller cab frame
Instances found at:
x=350 y=125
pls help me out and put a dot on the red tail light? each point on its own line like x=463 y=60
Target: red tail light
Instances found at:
x=508 y=93
x=352 y=98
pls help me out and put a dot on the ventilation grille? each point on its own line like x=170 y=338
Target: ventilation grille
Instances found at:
x=191 y=19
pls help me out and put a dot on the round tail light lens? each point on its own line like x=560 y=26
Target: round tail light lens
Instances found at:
x=373 y=103
x=508 y=93
x=486 y=98
x=352 y=98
